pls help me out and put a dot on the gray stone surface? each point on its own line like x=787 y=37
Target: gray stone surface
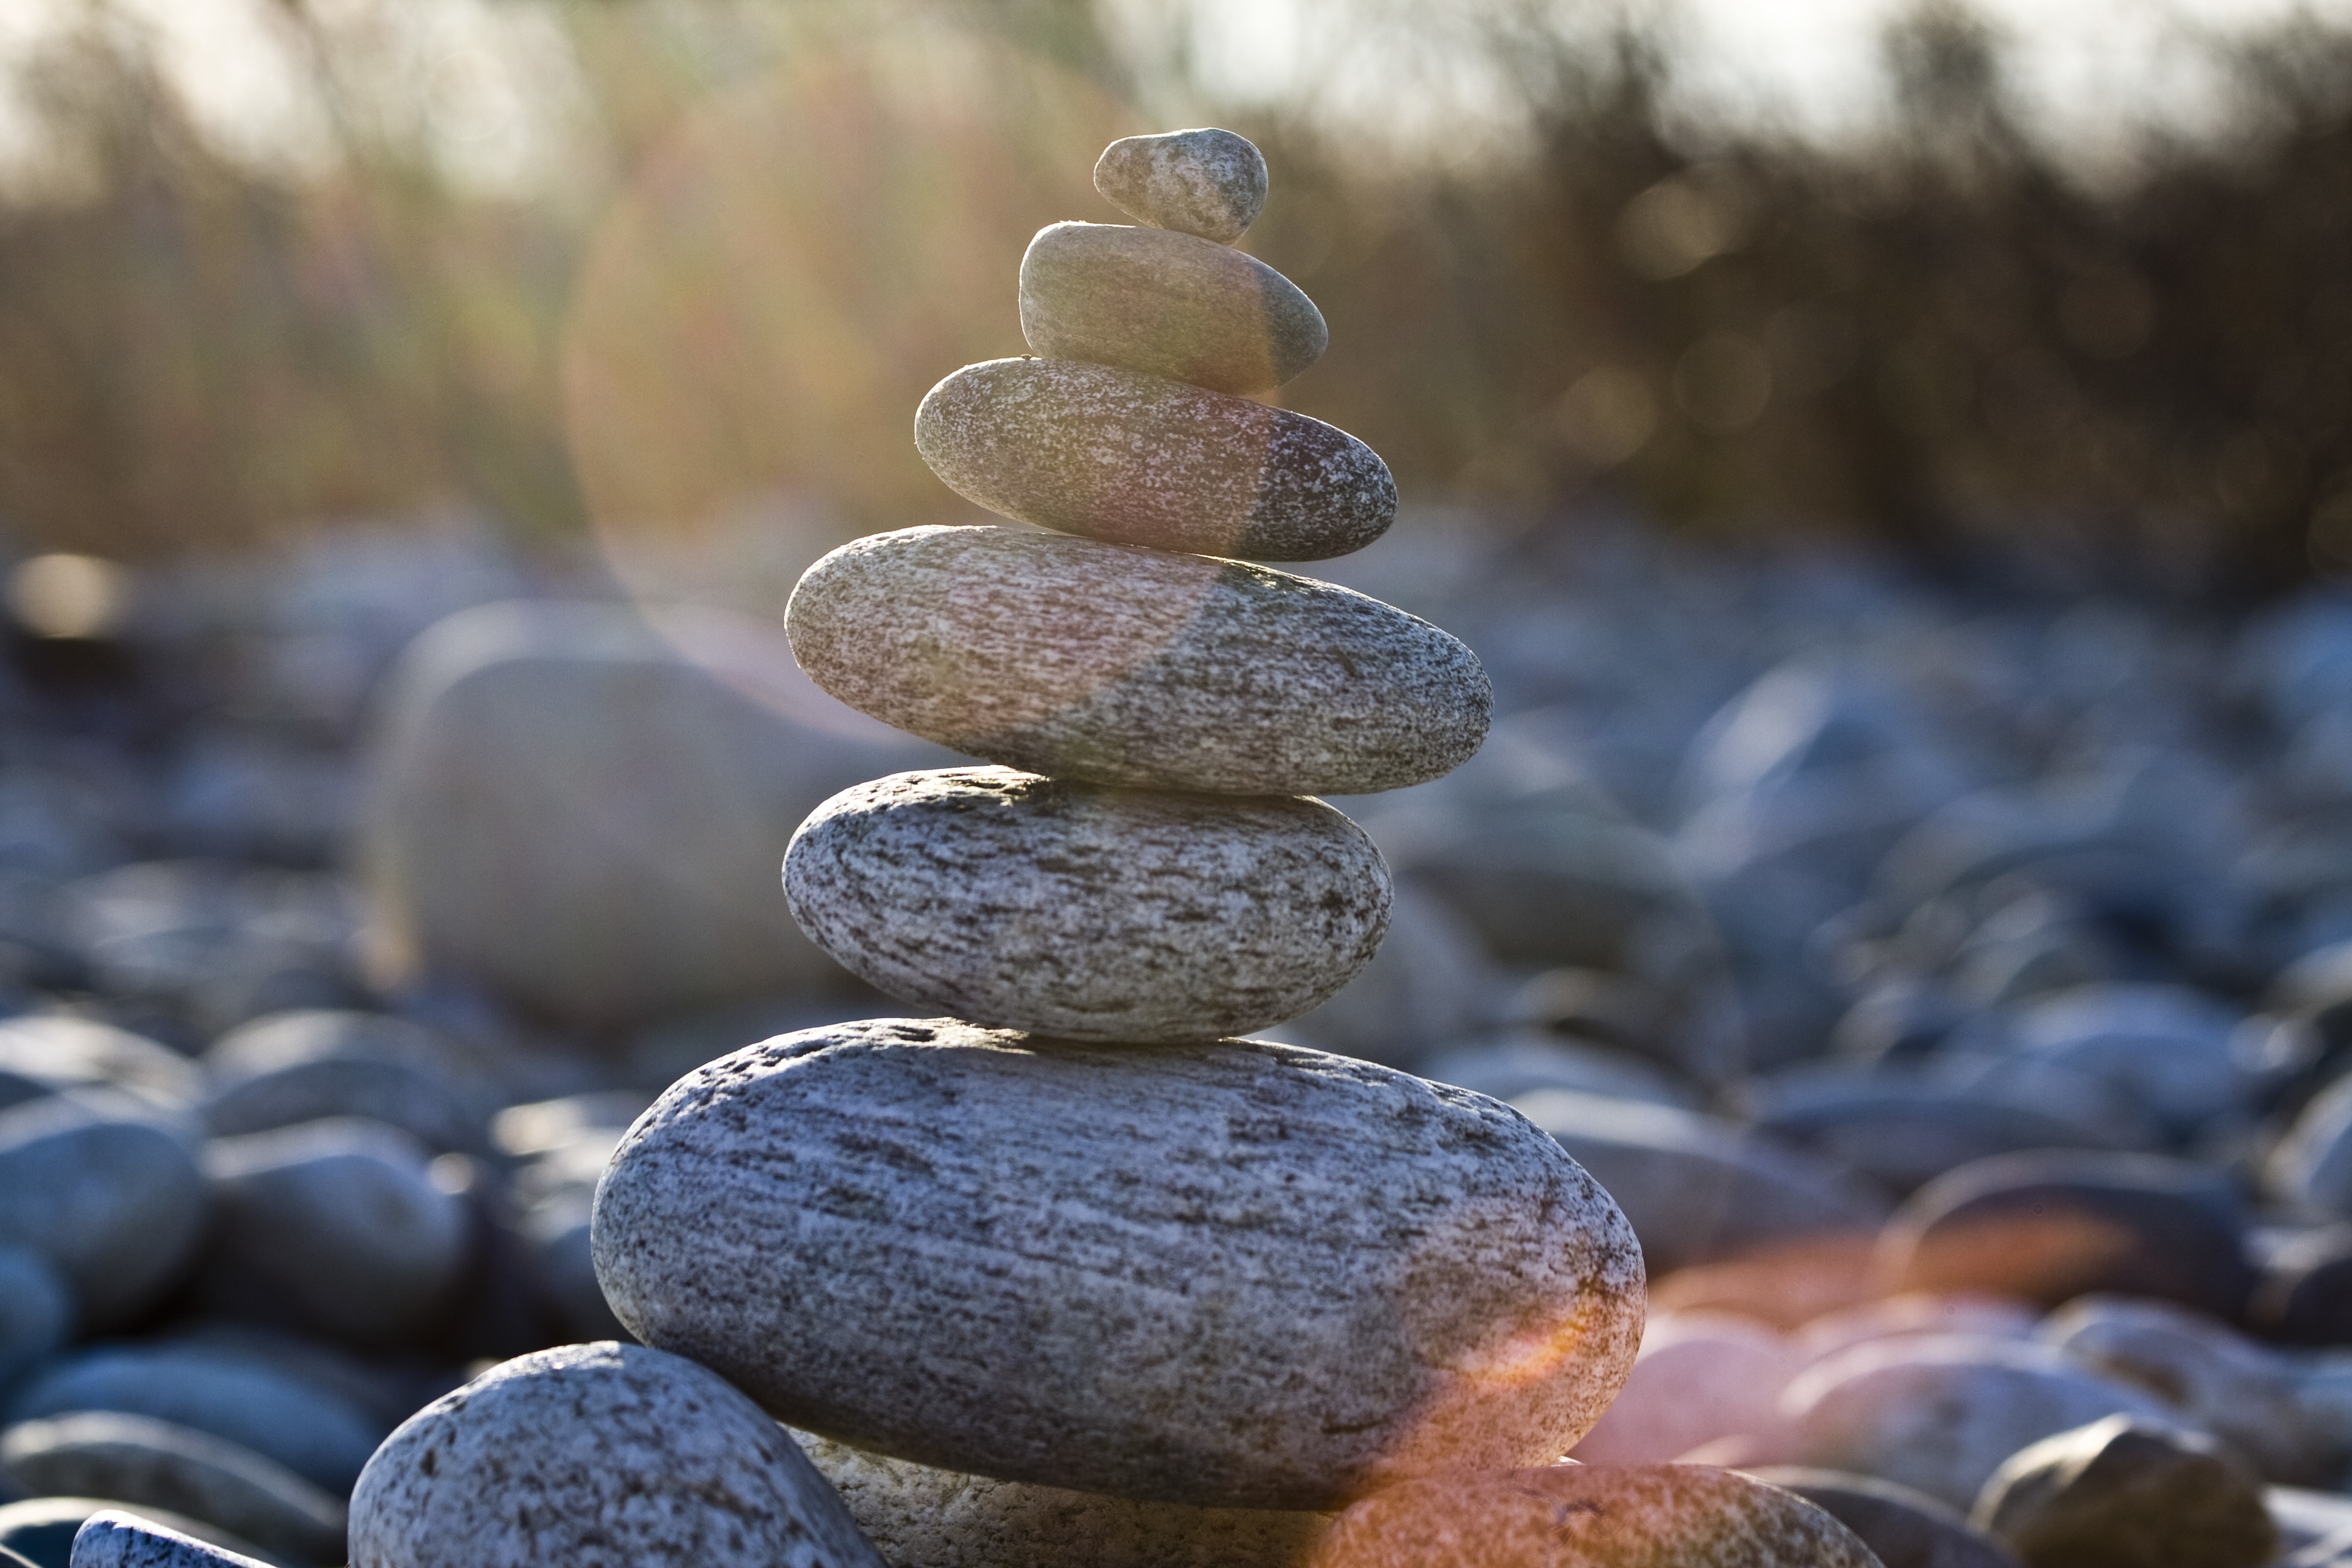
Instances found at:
x=1166 y=304
x=1591 y=1516
x=1141 y=459
x=582 y=809
x=42 y=1531
x=37 y=1311
x=2216 y=1379
x=120 y=1538
x=1085 y=913
x=1940 y=1414
x=317 y=1435
x=2124 y=1493
x=919 y=1517
x=45 y=1052
x=597 y=1455
x=144 y=1462
x=1151 y=462
x=290 y=1067
x=1240 y=1275
x=1698 y=1187
x=334 y=1226
x=1206 y=182
x=1902 y=1528
x=1123 y=665
x=104 y=1191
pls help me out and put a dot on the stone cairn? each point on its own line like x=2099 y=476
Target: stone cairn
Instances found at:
x=1076 y=1234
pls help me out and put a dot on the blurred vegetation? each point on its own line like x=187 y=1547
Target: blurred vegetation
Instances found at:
x=782 y=222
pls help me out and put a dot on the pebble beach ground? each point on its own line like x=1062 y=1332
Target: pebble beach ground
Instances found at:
x=1948 y=991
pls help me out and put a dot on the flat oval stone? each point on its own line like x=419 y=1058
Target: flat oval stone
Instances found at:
x=1206 y=182
x=1591 y=1516
x=919 y=1517
x=1090 y=914
x=1243 y=1275
x=120 y=1538
x=600 y=1454
x=1166 y=304
x=1131 y=667
x=1141 y=459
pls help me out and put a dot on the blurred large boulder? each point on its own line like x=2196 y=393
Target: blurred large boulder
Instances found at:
x=585 y=809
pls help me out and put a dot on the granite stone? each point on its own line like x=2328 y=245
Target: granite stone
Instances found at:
x=1590 y=1516
x=919 y=1517
x=597 y=1455
x=1123 y=665
x=1206 y=182
x=1166 y=304
x=1237 y=1274
x=1088 y=914
x=119 y=1538
x=1141 y=459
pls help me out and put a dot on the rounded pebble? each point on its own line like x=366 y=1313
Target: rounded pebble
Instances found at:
x=2125 y=1493
x=110 y=1197
x=1166 y=304
x=1206 y=182
x=1141 y=459
x=335 y=1225
x=1121 y=665
x=1241 y=1275
x=919 y=1517
x=1904 y=1529
x=1590 y=1516
x=315 y=1434
x=116 y=1538
x=597 y=1455
x=1029 y=903
x=147 y=1463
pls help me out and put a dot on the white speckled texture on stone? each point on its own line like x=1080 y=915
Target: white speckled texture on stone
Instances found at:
x=919 y=1517
x=1120 y=665
x=1591 y=1516
x=597 y=1455
x=1206 y=182
x=1022 y=902
x=1167 y=304
x=118 y=1538
x=1238 y=1274
x=1141 y=459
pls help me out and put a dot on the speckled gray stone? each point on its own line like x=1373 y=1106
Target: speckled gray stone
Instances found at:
x=1167 y=304
x=117 y=1538
x=597 y=1455
x=143 y=1462
x=1206 y=182
x=1141 y=459
x=1029 y=903
x=1132 y=667
x=1239 y=1275
x=1591 y=1516
x=919 y=1517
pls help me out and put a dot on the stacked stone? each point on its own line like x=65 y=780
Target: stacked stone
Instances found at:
x=1077 y=1234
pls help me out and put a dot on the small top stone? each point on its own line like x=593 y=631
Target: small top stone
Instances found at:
x=1208 y=182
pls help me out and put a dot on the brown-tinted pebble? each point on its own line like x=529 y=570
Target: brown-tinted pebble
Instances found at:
x=1167 y=304
x=1141 y=459
x=2129 y=1492
x=1206 y=182
x=1118 y=665
x=1590 y=1516
x=1237 y=1274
